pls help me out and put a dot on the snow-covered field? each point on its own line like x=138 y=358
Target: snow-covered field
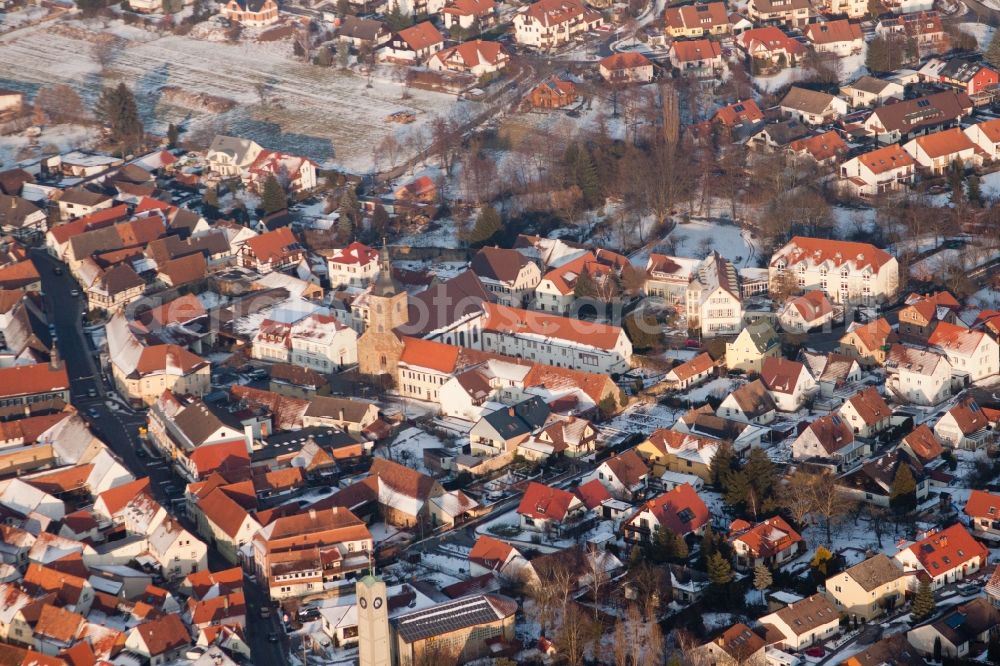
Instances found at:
x=322 y=113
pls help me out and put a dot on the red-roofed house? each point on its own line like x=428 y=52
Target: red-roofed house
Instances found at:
x=22 y=385
x=825 y=148
x=923 y=444
x=353 y=266
x=883 y=170
x=413 y=45
x=492 y=555
x=788 y=382
x=769 y=44
x=935 y=153
x=971 y=353
x=680 y=510
x=629 y=67
x=866 y=412
x=808 y=311
x=271 y=251
x=696 y=54
x=553 y=93
x=841 y=37
x=945 y=556
x=772 y=543
x=964 y=426
x=624 y=475
x=983 y=510
x=691 y=373
x=547 y=509
x=986 y=135
x=696 y=20
x=466 y=13
x=160 y=641
x=477 y=57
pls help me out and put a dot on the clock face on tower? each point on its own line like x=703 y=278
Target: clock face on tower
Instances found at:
x=377 y=603
x=363 y=602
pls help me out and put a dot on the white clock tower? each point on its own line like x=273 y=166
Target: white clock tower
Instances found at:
x=374 y=648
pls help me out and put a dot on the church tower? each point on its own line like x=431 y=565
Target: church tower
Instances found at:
x=374 y=648
x=379 y=348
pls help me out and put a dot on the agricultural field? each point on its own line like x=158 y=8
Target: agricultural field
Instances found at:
x=331 y=116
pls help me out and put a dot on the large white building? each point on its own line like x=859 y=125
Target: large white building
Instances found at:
x=853 y=273
x=353 y=266
x=555 y=340
x=547 y=24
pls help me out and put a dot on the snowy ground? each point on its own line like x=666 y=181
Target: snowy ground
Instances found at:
x=982 y=31
x=300 y=119
x=17 y=148
x=408 y=448
x=699 y=237
x=15 y=19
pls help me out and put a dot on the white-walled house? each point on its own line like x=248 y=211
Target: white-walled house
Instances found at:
x=507 y=274
x=964 y=426
x=829 y=438
x=808 y=311
x=866 y=412
x=750 y=403
x=972 y=354
x=353 y=266
x=805 y=622
x=922 y=377
x=945 y=556
x=714 y=302
x=935 y=153
x=322 y=343
x=887 y=169
x=789 y=383
x=986 y=135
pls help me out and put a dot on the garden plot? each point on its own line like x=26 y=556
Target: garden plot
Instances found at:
x=330 y=116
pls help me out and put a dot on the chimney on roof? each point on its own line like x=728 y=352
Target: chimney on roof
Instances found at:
x=312 y=514
x=510 y=412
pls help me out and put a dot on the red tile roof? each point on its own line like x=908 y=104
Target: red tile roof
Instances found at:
x=490 y=553
x=886 y=159
x=737 y=113
x=274 y=245
x=164 y=634
x=421 y=36
x=924 y=443
x=626 y=60
x=949 y=549
x=503 y=319
x=222 y=456
x=956 y=338
x=592 y=493
x=982 y=504
x=696 y=49
x=118 y=497
x=769 y=537
x=668 y=507
x=542 y=502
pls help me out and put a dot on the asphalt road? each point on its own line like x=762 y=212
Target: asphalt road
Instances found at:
x=119 y=428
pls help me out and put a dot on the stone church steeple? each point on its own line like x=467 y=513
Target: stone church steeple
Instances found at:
x=379 y=348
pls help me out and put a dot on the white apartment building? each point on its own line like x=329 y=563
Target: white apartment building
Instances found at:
x=548 y=24
x=555 y=340
x=848 y=273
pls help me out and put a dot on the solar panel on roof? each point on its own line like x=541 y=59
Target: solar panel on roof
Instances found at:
x=955 y=620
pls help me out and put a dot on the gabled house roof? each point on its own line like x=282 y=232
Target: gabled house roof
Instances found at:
x=680 y=510
x=968 y=416
x=924 y=443
x=874 y=572
x=831 y=32
x=628 y=468
x=982 y=504
x=695 y=50
x=753 y=399
x=832 y=432
x=870 y=405
x=543 y=502
x=947 y=549
x=421 y=36
x=780 y=375
x=766 y=538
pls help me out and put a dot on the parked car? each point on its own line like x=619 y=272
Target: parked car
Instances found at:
x=967 y=589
